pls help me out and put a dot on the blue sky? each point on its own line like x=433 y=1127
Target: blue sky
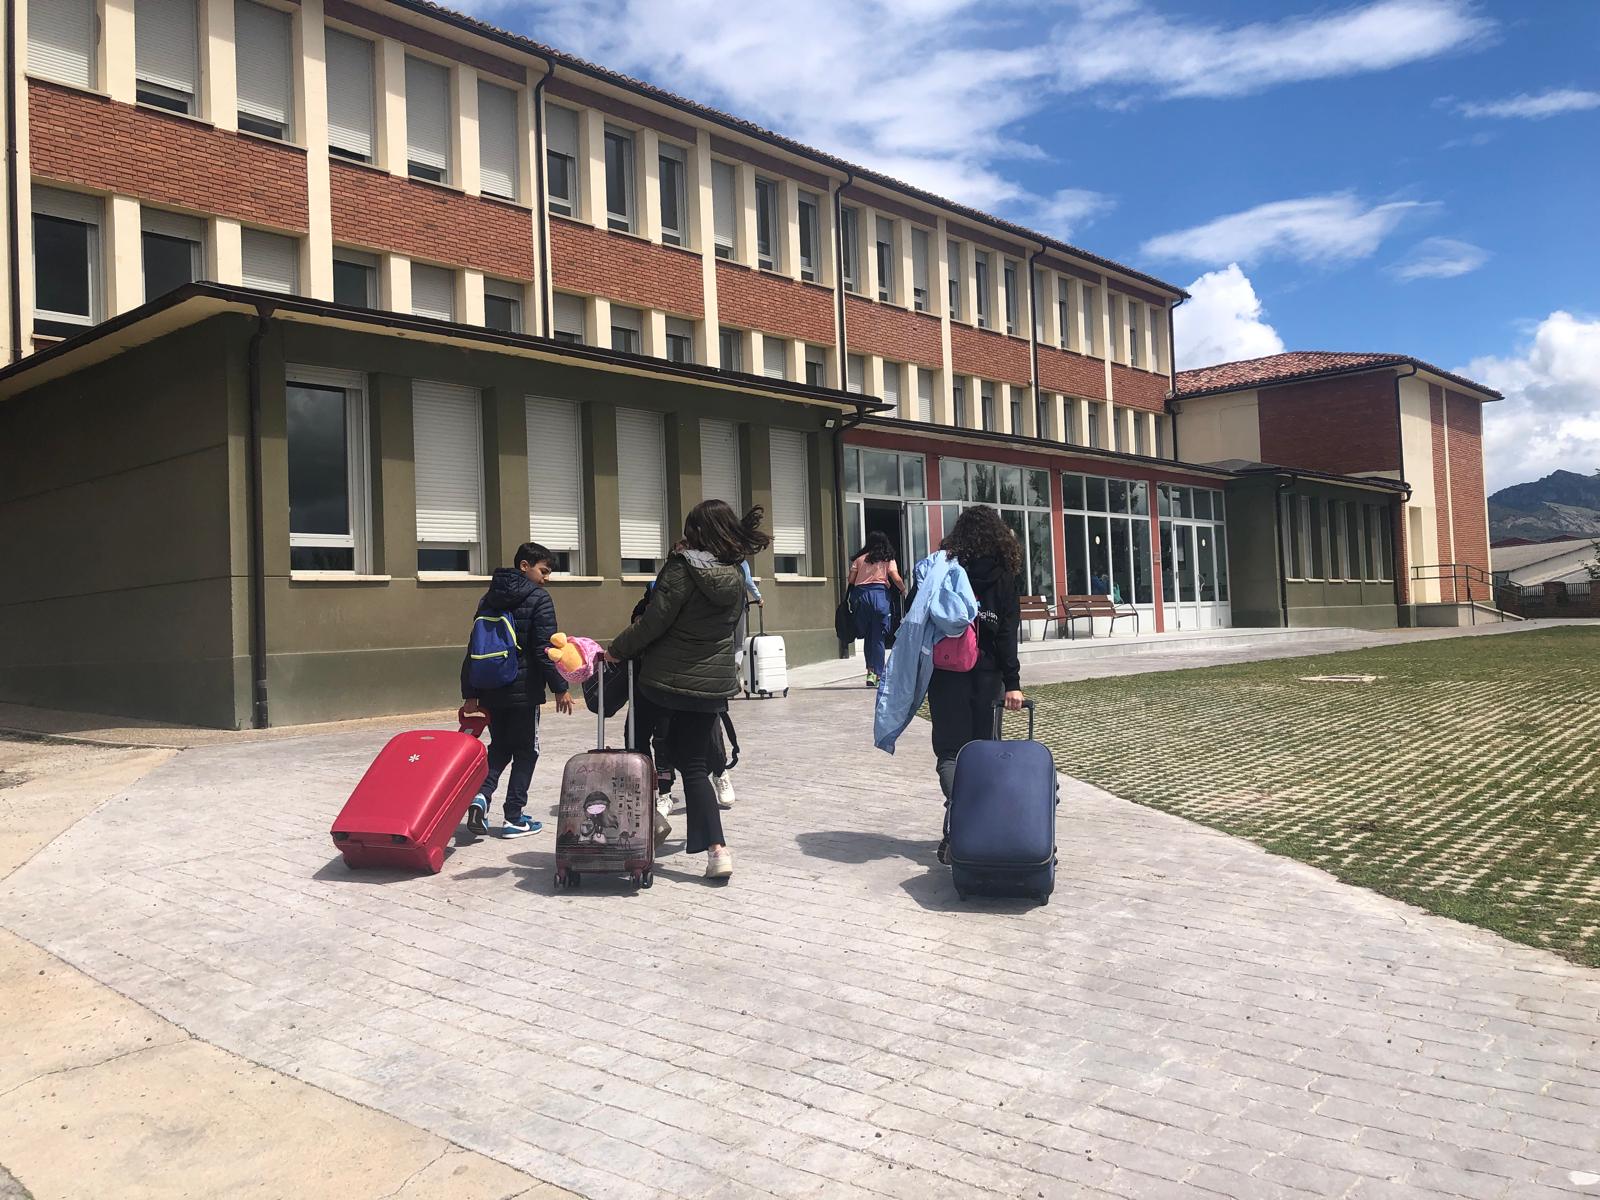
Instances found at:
x=1417 y=176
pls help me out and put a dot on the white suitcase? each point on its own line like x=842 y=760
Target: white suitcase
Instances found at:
x=766 y=664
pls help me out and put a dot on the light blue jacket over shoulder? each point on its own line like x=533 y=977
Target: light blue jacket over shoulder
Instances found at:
x=944 y=605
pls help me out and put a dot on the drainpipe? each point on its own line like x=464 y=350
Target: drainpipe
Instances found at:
x=13 y=237
x=257 y=534
x=838 y=280
x=540 y=203
x=1277 y=529
x=1033 y=339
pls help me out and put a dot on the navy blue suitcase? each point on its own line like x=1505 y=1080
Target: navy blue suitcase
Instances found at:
x=1003 y=818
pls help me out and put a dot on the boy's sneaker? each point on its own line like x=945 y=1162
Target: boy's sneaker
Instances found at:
x=724 y=787
x=478 y=815
x=521 y=827
x=872 y=679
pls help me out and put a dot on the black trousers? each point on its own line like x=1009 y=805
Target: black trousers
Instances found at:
x=688 y=749
x=962 y=705
x=513 y=739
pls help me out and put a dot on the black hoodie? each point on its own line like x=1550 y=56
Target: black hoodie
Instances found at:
x=996 y=589
x=533 y=613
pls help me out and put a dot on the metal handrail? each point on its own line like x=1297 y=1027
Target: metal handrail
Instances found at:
x=1467 y=574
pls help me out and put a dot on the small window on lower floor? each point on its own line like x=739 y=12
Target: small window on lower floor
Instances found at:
x=787 y=564
x=445 y=558
x=355 y=279
x=326 y=427
x=640 y=566
x=66 y=261
x=680 y=340
x=502 y=305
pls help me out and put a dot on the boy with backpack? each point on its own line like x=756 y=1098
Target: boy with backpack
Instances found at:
x=505 y=673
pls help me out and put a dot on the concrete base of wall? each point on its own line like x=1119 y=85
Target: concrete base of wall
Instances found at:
x=1456 y=616
x=1348 y=616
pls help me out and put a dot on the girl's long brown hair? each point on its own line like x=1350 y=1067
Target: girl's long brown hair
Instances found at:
x=714 y=527
x=980 y=533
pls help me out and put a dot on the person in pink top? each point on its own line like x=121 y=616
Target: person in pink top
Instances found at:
x=873 y=572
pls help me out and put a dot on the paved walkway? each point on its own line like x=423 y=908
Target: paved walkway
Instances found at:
x=1189 y=1014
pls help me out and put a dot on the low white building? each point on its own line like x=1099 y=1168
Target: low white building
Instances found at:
x=1565 y=561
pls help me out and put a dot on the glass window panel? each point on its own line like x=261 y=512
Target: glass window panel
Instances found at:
x=1041 y=556
x=319 y=460
x=911 y=480
x=1164 y=500
x=322 y=558
x=1314 y=508
x=1099 y=556
x=1202 y=504
x=853 y=533
x=1118 y=490
x=852 y=470
x=918 y=517
x=352 y=283
x=1010 y=485
x=1183 y=502
x=1169 y=561
x=985 y=485
x=880 y=474
x=1205 y=563
x=952 y=479
x=1017 y=521
x=1097 y=494
x=1121 y=561
x=1038 y=489
x=1221 y=536
x=1143 y=592
x=1139 y=498
x=1353 y=523
x=61 y=265
x=1072 y=485
x=1183 y=537
x=1385 y=544
x=168 y=263
x=1077 y=557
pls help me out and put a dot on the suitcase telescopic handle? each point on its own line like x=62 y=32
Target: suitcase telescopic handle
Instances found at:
x=1000 y=712
x=600 y=707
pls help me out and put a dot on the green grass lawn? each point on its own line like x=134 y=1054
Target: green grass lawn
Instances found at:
x=1465 y=781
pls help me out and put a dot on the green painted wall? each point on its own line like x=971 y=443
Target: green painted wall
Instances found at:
x=115 y=595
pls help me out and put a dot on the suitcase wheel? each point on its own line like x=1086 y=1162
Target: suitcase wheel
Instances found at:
x=785 y=693
x=560 y=880
x=646 y=879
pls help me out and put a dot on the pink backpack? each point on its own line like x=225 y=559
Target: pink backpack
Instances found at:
x=959 y=653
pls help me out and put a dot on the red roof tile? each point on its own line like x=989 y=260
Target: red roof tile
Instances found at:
x=1300 y=364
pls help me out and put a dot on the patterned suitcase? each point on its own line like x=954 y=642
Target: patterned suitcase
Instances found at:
x=1003 y=817
x=606 y=823
x=766 y=663
x=410 y=801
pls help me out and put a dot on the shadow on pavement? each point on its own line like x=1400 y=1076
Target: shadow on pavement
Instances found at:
x=335 y=871
x=934 y=892
x=853 y=846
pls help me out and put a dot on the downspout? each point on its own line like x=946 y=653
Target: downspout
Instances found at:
x=1033 y=340
x=1277 y=529
x=843 y=427
x=257 y=534
x=1172 y=373
x=1402 y=532
x=13 y=235
x=838 y=282
x=540 y=201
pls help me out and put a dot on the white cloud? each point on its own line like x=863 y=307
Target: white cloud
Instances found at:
x=1067 y=211
x=1550 y=417
x=1222 y=321
x=1439 y=258
x=934 y=91
x=1533 y=107
x=1314 y=229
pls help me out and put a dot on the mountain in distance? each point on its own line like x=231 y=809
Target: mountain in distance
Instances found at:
x=1562 y=504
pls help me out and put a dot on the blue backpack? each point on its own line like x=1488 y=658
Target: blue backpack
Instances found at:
x=493 y=655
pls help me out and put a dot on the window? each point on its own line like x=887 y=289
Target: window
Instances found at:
x=1039 y=305
x=627 y=329
x=1316 y=529
x=892 y=375
x=924 y=410
x=884 y=475
x=680 y=340
x=1066 y=319
x=1338 y=555
x=1023 y=497
x=1092 y=342
x=1013 y=297
x=849 y=234
x=350 y=92
x=958 y=397
x=953 y=258
x=271 y=261
x=769 y=228
x=641 y=490
x=810 y=235
x=1115 y=420
x=1158 y=338
x=166 y=52
x=1355 y=543
x=555 y=480
x=326 y=429
x=725 y=208
x=263 y=41
x=1041 y=416
x=355 y=279
x=1093 y=441
x=1135 y=333
x=986 y=401
x=569 y=323
x=497 y=140
x=66 y=261
x=816 y=366
x=172 y=248
x=1161 y=437
x=1107 y=528
x=855 y=374
x=433 y=292
x=561 y=159
x=502 y=305
x=674 y=173
x=730 y=349
x=919 y=269
x=791 y=504
x=619 y=179
x=1138 y=433
x=428 y=120
x=61 y=41
x=1194 y=544
x=980 y=275
x=1015 y=412
x=775 y=358
x=719 y=463
x=447 y=434
x=888 y=260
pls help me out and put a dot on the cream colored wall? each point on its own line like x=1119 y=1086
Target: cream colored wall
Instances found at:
x=1213 y=428
x=1416 y=451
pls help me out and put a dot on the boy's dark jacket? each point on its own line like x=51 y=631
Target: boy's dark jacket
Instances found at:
x=533 y=614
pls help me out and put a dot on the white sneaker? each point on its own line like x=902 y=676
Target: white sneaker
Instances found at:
x=719 y=864
x=664 y=804
x=724 y=787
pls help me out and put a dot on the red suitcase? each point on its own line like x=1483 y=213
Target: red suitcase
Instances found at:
x=410 y=801
x=606 y=823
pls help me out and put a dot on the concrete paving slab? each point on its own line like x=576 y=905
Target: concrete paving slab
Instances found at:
x=1185 y=1013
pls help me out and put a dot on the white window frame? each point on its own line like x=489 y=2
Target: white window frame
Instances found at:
x=509 y=188
x=725 y=209
x=712 y=429
x=505 y=289
x=358 y=466
x=780 y=359
x=810 y=203
x=888 y=257
x=172 y=93
x=417 y=168
x=253 y=114
x=1093 y=334
x=440 y=275
x=627 y=220
x=921 y=268
x=637 y=318
x=367 y=262
x=788 y=447
x=176 y=227
x=1066 y=313
x=855 y=374
x=538 y=451
x=475 y=549
x=675 y=235
x=983 y=281
x=565 y=305
x=769 y=203
x=850 y=248
x=657 y=423
x=294 y=242
x=72 y=57
x=679 y=329
x=817 y=356
x=894 y=387
x=358 y=140
x=568 y=205
x=957 y=295
x=1009 y=270
x=83 y=209
x=728 y=336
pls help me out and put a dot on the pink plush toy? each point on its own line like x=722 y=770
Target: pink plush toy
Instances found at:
x=574 y=657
